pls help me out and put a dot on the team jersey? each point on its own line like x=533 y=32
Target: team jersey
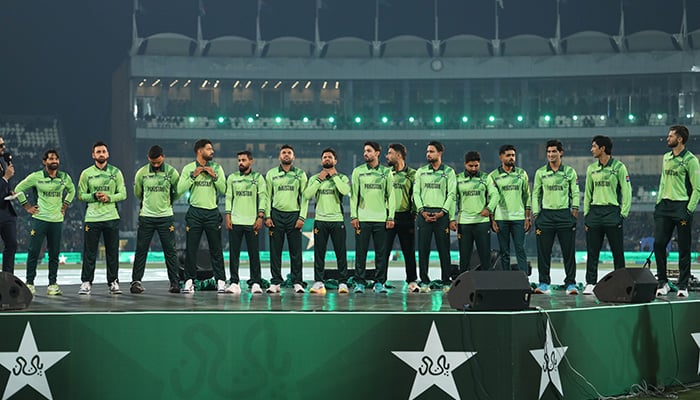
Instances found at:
x=514 y=194
x=680 y=179
x=109 y=180
x=246 y=196
x=372 y=195
x=608 y=185
x=156 y=189
x=403 y=189
x=285 y=191
x=329 y=194
x=555 y=190
x=51 y=193
x=203 y=189
x=474 y=193
x=435 y=188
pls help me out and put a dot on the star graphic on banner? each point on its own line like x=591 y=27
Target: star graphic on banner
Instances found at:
x=62 y=259
x=28 y=366
x=549 y=358
x=696 y=338
x=434 y=365
x=310 y=236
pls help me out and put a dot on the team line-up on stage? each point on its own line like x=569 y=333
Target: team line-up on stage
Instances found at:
x=385 y=202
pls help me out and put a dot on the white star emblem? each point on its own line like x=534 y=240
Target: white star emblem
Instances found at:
x=28 y=366
x=309 y=235
x=62 y=259
x=696 y=337
x=549 y=358
x=434 y=365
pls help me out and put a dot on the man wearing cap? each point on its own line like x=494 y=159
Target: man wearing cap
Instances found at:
x=155 y=185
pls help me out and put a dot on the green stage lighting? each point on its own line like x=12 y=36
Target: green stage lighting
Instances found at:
x=411 y=119
x=438 y=119
x=492 y=118
x=520 y=118
x=385 y=120
x=630 y=117
x=547 y=118
x=251 y=120
x=358 y=120
x=191 y=119
x=221 y=120
x=465 y=119
x=305 y=120
x=331 y=119
x=278 y=120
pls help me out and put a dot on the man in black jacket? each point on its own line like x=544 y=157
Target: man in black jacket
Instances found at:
x=8 y=216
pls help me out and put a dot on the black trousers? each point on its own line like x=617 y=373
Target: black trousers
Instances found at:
x=603 y=221
x=376 y=231
x=560 y=224
x=200 y=221
x=236 y=236
x=284 y=227
x=109 y=230
x=670 y=215
x=148 y=226
x=324 y=230
x=405 y=229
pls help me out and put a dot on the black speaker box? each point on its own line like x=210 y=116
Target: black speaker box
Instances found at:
x=14 y=294
x=203 y=264
x=627 y=285
x=490 y=291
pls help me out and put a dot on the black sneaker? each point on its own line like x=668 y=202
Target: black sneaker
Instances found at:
x=136 y=287
x=174 y=288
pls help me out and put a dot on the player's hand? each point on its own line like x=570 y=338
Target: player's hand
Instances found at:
x=528 y=225
x=355 y=223
x=269 y=223
x=494 y=226
x=453 y=226
x=228 y=223
x=299 y=224
x=31 y=209
x=257 y=225
x=390 y=224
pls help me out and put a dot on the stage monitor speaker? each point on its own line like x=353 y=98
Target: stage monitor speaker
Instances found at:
x=14 y=294
x=627 y=285
x=203 y=264
x=490 y=291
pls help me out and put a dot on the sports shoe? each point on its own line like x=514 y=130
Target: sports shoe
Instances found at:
x=318 y=287
x=174 y=287
x=588 y=289
x=256 y=289
x=343 y=288
x=682 y=293
x=221 y=287
x=53 y=290
x=114 y=288
x=359 y=288
x=663 y=290
x=424 y=288
x=85 y=288
x=31 y=288
x=379 y=288
x=189 y=287
x=413 y=287
x=273 y=289
x=543 y=288
x=234 y=288
x=136 y=287
x=571 y=289
x=298 y=288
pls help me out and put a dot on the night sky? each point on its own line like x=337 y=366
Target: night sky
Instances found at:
x=58 y=56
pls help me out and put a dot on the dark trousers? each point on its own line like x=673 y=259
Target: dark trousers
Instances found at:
x=284 y=226
x=109 y=230
x=670 y=215
x=562 y=224
x=8 y=234
x=516 y=231
x=148 y=226
x=405 y=229
x=336 y=232
x=376 y=231
x=441 y=230
x=470 y=234
x=235 y=237
x=52 y=232
x=200 y=221
x=603 y=221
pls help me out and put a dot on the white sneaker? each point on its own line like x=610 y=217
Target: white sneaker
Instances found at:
x=413 y=287
x=273 y=289
x=233 y=288
x=114 y=288
x=256 y=289
x=682 y=293
x=189 y=287
x=221 y=286
x=318 y=288
x=85 y=288
x=588 y=289
x=298 y=288
x=424 y=288
x=343 y=288
x=663 y=290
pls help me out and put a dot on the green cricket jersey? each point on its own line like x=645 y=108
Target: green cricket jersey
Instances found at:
x=435 y=189
x=474 y=193
x=285 y=191
x=555 y=190
x=372 y=195
x=608 y=185
x=329 y=196
x=203 y=189
x=680 y=179
x=109 y=180
x=403 y=189
x=246 y=196
x=514 y=194
x=156 y=189
x=51 y=193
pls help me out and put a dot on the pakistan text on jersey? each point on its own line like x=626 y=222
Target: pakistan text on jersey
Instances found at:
x=602 y=183
x=103 y=188
x=471 y=193
x=511 y=187
x=203 y=183
x=153 y=189
x=52 y=194
x=429 y=185
x=555 y=187
x=286 y=188
x=671 y=172
x=244 y=193
x=327 y=191
x=373 y=186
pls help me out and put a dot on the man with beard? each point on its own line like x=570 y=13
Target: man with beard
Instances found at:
x=405 y=217
x=434 y=196
x=8 y=215
x=286 y=212
x=246 y=196
x=606 y=204
x=328 y=188
x=512 y=215
x=372 y=208
x=101 y=186
x=555 y=201
x=204 y=179
x=155 y=185
x=54 y=193
x=477 y=198
x=679 y=192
